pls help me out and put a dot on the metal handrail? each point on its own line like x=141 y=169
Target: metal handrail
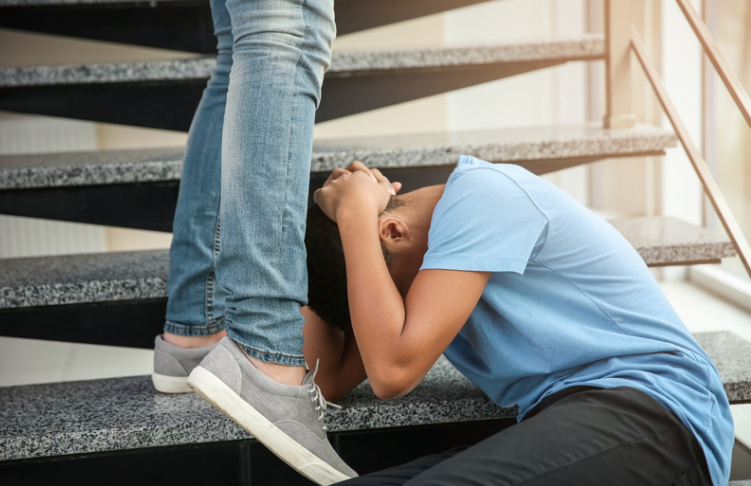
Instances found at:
x=700 y=165
x=732 y=83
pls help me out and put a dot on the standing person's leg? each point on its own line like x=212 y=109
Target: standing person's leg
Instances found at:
x=256 y=375
x=195 y=307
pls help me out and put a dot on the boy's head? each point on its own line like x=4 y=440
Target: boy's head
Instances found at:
x=403 y=229
x=327 y=275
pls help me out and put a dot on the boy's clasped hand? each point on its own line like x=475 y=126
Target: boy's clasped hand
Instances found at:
x=362 y=188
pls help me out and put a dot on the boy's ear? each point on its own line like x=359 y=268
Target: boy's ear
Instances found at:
x=392 y=230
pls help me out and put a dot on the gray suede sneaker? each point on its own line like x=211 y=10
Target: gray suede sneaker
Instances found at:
x=286 y=419
x=173 y=364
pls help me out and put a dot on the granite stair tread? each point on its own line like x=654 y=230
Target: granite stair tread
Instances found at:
x=126 y=413
x=125 y=276
x=665 y=240
x=83 y=278
x=165 y=94
x=588 y=47
x=540 y=149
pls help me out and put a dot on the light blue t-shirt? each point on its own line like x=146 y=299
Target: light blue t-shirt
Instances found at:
x=569 y=303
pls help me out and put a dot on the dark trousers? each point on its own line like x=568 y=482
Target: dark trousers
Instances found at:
x=578 y=437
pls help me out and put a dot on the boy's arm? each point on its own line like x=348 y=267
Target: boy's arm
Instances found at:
x=340 y=367
x=399 y=340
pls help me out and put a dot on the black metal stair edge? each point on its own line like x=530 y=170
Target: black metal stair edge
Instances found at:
x=360 y=63
x=244 y=462
x=164 y=94
x=37 y=415
x=138 y=188
x=541 y=149
x=120 y=298
x=184 y=25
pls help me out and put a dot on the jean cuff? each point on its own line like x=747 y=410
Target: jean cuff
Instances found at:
x=275 y=358
x=191 y=331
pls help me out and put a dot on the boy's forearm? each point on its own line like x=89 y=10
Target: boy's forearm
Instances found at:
x=376 y=306
x=340 y=367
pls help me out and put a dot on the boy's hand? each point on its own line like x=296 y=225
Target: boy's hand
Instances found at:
x=362 y=189
x=375 y=174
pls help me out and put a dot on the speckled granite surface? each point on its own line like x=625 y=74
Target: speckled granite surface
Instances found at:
x=661 y=240
x=536 y=147
x=72 y=279
x=75 y=279
x=732 y=357
x=90 y=168
x=540 y=149
x=126 y=413
x=342 y=64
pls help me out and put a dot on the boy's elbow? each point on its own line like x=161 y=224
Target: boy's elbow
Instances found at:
x=387 y=391
x=391 y=382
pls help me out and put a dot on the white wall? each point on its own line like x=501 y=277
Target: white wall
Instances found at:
x=681 y=71
x=550 y=96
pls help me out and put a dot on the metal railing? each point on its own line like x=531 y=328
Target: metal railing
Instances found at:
x=637 y=46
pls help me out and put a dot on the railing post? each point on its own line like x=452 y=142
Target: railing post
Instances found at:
x=622 y=110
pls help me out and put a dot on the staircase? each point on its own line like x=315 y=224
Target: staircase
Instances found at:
x=121 y=431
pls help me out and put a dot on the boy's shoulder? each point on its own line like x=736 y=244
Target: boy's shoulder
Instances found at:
x=474 y=168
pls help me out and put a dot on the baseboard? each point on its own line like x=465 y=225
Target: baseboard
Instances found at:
x=723 y=284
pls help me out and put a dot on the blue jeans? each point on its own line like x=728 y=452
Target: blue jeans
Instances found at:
x=247 y=164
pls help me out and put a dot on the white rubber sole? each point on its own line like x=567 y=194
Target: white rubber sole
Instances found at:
x=170 y=384
x=222 y=397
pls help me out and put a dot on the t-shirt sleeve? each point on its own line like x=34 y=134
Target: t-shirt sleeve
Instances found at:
x=485 y=221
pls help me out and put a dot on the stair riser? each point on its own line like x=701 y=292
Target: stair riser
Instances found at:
x=187 y=25
x=130 y=324
x=170 y=105
x=149 y=206
x=245 y=462
x=181 y=26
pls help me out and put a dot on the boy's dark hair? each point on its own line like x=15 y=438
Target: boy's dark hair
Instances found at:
x=327 y=274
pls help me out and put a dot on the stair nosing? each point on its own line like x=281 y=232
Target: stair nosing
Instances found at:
x=443 y=149
x=461 y=401
x=77 y=279
x=590 y=46
x=126 y=413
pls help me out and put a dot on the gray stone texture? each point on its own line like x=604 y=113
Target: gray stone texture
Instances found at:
x=127 y=413
x=75 y=279
x=540 y=149
x=587 y=47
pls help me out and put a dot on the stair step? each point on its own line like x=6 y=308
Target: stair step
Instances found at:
x=146 y=418
x=540 y=149
x=664 y=240
x=109 y=187
x=164 y=94
x=127 y=290
x=79 y=417
x=103 y=277
x=731 y=355
x=85 y=278
x=184 y=25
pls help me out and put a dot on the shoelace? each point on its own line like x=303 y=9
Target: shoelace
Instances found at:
x=318 y=399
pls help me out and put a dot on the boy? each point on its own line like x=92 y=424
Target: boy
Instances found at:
x=540 y=303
